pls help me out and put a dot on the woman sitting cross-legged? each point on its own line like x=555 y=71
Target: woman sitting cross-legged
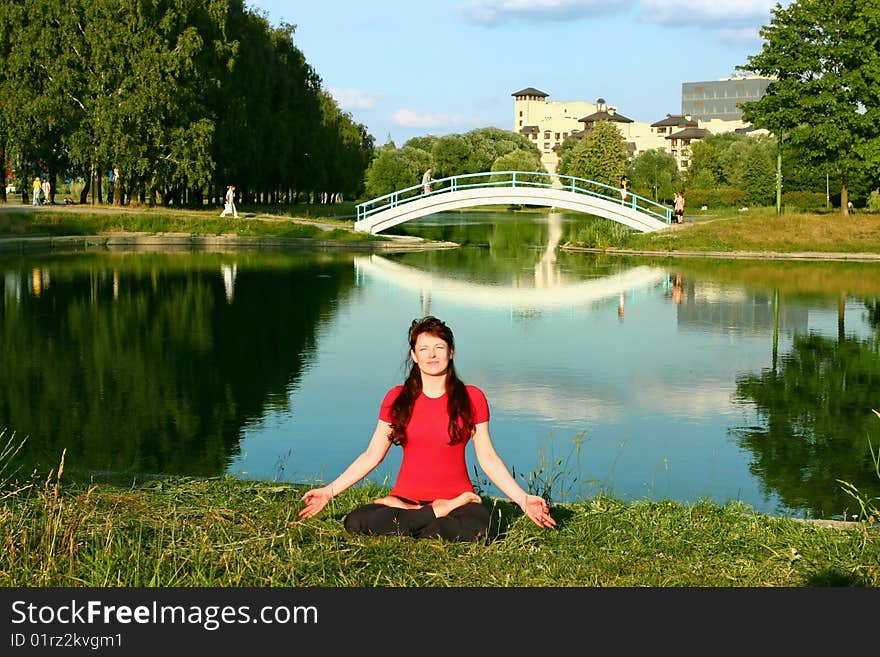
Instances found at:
x=431 y=416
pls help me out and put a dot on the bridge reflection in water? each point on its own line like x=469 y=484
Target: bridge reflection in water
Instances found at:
x=549 y=288
x=551 y=294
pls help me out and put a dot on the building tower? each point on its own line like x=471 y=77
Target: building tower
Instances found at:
x=528 y=108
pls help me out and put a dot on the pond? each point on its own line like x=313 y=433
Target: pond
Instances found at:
x=642 y=378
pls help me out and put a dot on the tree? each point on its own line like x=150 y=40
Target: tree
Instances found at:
x=450 y=156
x=393 y=169
x=520 y=160
x=600 y=155
x=705 y=170
x=488 y=144
x=564 y=154
x=654 y=174
x=824 y=56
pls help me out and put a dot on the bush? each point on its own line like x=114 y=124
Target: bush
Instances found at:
x=874 y=201
x=726 y=197
x=804 y=201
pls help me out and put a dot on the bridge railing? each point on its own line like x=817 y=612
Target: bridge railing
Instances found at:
x=514 y=179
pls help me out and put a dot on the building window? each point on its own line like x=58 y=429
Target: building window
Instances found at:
x=684 y=164
x=520 y=113
x=557 y=136
x=546 y=134
x=546 y=145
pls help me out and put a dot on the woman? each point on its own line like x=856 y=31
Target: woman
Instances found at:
x=431 y=416
x=678 y=206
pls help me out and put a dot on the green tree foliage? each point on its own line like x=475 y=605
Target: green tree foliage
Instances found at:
x=743 y=162
x=705 y=170
x=654 y=174
x=600 y=155
x=395 y=168
x=564 y=154
x=451 y=155
x=521 y=160
x=183 y=96
x=825 y=98
x=489 y=144
x=425 y=143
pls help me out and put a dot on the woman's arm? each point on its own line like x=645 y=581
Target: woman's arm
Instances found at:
x=533 y=506
x=317 y=498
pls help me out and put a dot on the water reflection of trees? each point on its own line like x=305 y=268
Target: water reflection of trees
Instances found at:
x=817 y=405
x=140 y=364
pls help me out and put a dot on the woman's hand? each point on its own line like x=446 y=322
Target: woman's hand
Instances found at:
x=315 y=499
x=536 y=508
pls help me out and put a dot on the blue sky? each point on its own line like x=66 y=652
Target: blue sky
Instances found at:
x=405 y=68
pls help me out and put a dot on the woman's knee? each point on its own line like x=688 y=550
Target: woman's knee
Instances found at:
x=357 y=521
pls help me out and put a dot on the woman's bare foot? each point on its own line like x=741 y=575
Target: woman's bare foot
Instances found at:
x=396 y=502
x=445 y=507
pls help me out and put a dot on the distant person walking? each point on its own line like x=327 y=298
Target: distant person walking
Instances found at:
x=426 y=181
x=47 y=192
x=678 y=207
x=229 y=203
x=624 y=189
x=37 y=187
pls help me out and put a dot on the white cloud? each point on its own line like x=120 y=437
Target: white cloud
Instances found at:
x=707 y=11
x=493 y=12
x=408 y=118
x=354 y=98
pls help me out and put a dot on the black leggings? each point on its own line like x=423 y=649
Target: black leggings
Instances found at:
x=470 y=522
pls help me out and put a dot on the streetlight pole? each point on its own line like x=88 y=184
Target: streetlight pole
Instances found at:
x=827 y=193
x=779 y=176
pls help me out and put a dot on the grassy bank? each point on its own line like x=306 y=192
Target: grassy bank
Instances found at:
x=760 y=230
x=233 y=533
x=317 y=222
x=726 y=231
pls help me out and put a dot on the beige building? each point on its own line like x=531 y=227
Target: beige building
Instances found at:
x=548 y=123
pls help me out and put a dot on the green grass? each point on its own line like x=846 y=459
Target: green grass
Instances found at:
x=760 y=230
x=234 y=533
x=309 y=222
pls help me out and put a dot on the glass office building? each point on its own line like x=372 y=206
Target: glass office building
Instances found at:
x=719 y=99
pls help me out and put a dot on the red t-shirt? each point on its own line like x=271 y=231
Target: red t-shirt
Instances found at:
x=431 y=467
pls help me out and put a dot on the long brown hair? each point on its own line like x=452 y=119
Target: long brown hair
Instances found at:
x=458 y=403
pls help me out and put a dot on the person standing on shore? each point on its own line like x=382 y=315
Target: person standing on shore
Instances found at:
x=229 y=203
x=432 y=416
x=37 y=189
x=678 y=207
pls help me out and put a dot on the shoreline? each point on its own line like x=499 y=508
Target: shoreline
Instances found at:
x=734 y=255
x=396 y=244
x=148 y=241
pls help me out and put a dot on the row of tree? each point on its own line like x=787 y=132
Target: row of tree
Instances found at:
x=181 y=96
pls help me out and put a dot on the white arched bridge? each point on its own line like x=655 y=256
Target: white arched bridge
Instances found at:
x=512 y=188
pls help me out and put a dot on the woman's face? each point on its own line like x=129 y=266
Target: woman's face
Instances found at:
x=431 y=354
